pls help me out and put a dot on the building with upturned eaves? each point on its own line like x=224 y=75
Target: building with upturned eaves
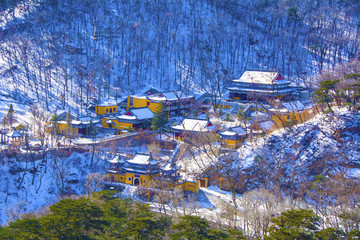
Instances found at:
x=254 y=85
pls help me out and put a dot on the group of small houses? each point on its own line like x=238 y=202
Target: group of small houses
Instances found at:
x=139 y=110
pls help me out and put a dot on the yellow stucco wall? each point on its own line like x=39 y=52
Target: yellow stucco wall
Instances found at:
x=155 y=107
x=117 y=177
x=143 y=102
x=101 y=110
x=232 y=143
x=191 y=186
x=106 y=125
x=124 y=125
x=128 y=178
x=63 y=127
x=140 y=102
x=60 y=127
x=117 y=124
x=144 y=179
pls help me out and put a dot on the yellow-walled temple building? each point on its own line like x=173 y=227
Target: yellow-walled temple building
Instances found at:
x=138 y=170
x=106 y=107
x=254 y=85
x=133 y=119
x=141 y=169
x=191 y=126
x=174 y=102
x=233 y=137
x=68 y=127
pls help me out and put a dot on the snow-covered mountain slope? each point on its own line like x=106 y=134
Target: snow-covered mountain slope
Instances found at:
x=70 y=52
x=58 y=174
x=326 y=145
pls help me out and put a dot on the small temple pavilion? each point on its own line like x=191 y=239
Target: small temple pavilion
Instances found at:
x=138 y=170
x=15 y=138
x=142 y=168
x=261 y=85
x=106 y=107
x=233 y=137
x=191 y=126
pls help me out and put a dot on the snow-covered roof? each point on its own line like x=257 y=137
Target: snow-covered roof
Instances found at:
x=61 y=112
x=152 y=90
x=169 y=96
x=142 y=159
x=172 y=95
x=175 y=95
x=227 y=133
x=234 y=131
x=116 y=159
x=244 y=89
x=14 y=134
x=126 y=117
x=294 y=106
x=167 y=167
x=142 y=113
x=261 y=77
x=87 y=120
x=137 y=114
x=106 y=103
x=267 y=125
x=196 y=125
x=135 y=170
x=239 y=130
x=139 y=96
x=34 y=142
x=278 y=110
x=75 y=122
x=157 y=97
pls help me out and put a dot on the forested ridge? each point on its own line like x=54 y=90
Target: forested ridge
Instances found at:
x=73 y=52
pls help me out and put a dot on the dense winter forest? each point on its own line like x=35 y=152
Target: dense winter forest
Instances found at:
x=72 y=51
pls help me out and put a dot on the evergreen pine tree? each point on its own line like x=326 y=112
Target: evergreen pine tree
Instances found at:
x=10 y=116
x=326 y=93
x=159 y=121
x=294 y=224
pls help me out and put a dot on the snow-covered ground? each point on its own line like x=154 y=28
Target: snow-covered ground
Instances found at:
x=19 y=193
x=335 y=135
x=326 y=144
x=57 y=175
